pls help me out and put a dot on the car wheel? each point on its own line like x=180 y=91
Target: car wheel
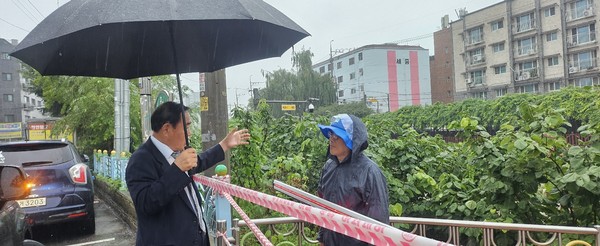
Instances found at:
x=88 y=226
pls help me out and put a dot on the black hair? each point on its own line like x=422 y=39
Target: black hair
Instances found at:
x=168 y=112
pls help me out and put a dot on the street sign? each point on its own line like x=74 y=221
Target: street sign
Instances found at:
x=288 y=107
x=204 y=104
x=161 y=98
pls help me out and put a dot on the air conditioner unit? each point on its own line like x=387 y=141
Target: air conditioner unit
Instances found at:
x=573 y=69
x=525 y=76
x=477 y=58
x=587 y=13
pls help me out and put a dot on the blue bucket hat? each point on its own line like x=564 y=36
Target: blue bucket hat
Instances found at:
x=342 y=126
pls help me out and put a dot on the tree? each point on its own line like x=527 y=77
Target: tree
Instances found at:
x=300 y=84
x=86 y=106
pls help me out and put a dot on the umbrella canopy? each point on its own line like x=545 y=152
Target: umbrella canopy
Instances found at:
x=137 y=38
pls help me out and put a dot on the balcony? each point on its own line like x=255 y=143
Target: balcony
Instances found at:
x=523 y=27
x=526 y=74
x=581 y=38
x=583 y=65
x=475 y=39
x=479 y=80
x=526 y=50
x=476 y=59
x=580 y=13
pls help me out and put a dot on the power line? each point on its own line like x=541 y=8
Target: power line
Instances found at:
x=14 y=25
x=36 y=9
x=25 y=11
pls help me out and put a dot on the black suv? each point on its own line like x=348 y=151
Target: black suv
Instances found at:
x=61 y=182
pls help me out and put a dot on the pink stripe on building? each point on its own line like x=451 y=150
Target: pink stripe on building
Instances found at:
x=415 y=89
x=392 y=80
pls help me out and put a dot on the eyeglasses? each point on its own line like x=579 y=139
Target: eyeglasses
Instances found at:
x=333 y=137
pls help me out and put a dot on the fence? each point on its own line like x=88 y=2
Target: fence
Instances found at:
x=111 y=166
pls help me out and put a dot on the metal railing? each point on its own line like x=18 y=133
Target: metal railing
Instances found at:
x=581 y=38
x=583 y=65
x=526 y=50
x=525 y=233
x=525 y=26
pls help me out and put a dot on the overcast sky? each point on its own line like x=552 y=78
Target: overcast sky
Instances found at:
x=349 y=23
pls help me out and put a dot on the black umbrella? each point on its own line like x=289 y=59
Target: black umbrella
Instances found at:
x=137 y=38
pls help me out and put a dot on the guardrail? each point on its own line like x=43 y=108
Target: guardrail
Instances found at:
x=524 y=232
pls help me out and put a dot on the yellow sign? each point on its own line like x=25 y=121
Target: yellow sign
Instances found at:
x=204 y=104
x=288 y=107
x=11 y=130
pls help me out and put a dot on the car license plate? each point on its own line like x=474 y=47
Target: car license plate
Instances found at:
x=34 y=202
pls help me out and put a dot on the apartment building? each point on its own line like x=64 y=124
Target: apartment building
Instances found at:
x=442 y=65
x=525 y=46
x=17 y=105
x=384 y=76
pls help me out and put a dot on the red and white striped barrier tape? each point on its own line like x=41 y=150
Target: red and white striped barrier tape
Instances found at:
x=221 y=236
x=361 y=230
x=257 y=233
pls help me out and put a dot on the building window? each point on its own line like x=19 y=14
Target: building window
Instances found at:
x=589 y=81
x=360 y=57
x=551 y=36
x=352 y=75
x=501 y=92
x=579 y=9
x=4 y=56
x=583 y=61
x=360 y=72
x=475 y=35
x=353 y=91
x=476 y=77
x=497 y=25
x=322 y=69
x=9 y=118
x=329 y=67
x=340 y=79
x=526 y=46
x=351 y=61
x=553 y=86
x=527 y=89
x=480 y=94
x=7 y=76
x=553 y=61
x=339 y=65
x=8 y=97
x=341 y=93
x=549 y=12
x=500 y=69
x=581 y=35
x=525 y=22
x=497 y=47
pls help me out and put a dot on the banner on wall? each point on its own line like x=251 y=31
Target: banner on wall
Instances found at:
x=43 y=131
x=11 y=130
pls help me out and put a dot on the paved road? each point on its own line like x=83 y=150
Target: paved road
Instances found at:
x=110 y=230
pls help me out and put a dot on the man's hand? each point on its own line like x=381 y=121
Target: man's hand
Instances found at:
x=235 y=138
x=187 y=160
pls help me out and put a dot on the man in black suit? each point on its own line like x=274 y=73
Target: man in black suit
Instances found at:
x=165 y=199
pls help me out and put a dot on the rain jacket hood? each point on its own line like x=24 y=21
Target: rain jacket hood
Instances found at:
x=355 y=183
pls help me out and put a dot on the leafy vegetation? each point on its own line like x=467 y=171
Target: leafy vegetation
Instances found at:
x=524 y=173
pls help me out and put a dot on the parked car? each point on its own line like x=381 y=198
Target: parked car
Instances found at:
x=62 y=186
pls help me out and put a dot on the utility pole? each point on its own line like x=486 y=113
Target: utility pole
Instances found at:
x=122 y=128
x=213 y=112
x=146 y=106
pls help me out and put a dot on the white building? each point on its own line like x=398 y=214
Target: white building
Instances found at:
x=385 y=76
